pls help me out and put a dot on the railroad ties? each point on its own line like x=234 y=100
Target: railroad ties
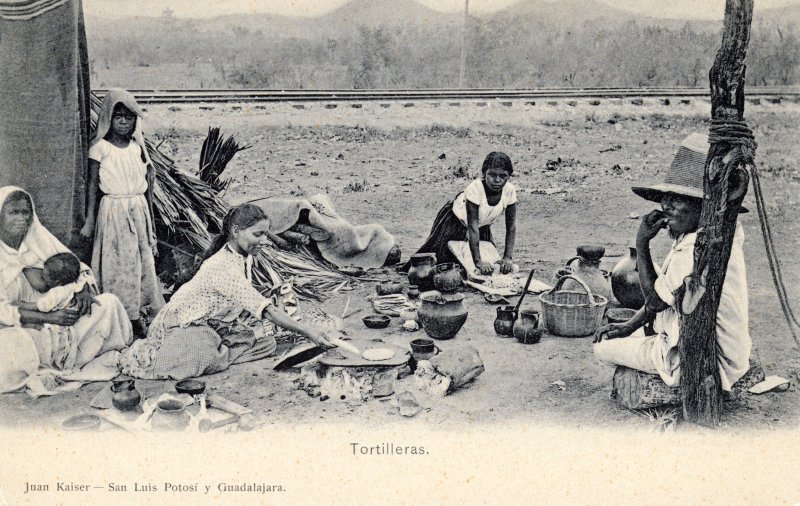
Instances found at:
x=330 y=99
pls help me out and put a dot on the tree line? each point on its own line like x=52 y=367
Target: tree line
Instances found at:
x=502 y=52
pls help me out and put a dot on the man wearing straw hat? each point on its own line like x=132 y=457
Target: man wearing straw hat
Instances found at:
x=681 y=197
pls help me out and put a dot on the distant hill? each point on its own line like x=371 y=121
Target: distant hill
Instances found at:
x=564 y=12
x=386 y=13
x=393 y=13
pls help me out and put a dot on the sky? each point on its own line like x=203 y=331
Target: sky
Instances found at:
x=701 y=9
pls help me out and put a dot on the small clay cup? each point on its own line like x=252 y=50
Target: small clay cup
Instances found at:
x=413 y=292
x=422 y=346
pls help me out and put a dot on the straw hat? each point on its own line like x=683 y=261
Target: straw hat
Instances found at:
x=685 y=175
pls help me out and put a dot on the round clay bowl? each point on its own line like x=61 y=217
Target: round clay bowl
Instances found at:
x=81 y=422
x=190 y=386
x=380 y=321
x=620 y=315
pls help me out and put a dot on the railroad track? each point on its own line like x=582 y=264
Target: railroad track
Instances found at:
x=247 y=96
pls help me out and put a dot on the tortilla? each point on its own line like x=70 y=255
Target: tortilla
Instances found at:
x=378 y=354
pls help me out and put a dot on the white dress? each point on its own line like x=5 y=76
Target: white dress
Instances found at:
x=122 y=259
x=487 y=213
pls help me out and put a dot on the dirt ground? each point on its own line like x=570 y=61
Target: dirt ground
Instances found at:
x=397 y=164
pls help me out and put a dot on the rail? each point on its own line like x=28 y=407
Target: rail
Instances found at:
x=259 y=95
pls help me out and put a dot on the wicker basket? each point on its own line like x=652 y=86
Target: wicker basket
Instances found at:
x=572 y=314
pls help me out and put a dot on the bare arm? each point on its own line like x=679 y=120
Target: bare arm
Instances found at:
x=511 y=236
x=93 y=195
x=474 y=238
x=649 y=228
x=624 y=329
x=151 y=179
x=281 y=319
x=35 y=319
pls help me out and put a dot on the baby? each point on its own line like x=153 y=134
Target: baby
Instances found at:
x=59 y=282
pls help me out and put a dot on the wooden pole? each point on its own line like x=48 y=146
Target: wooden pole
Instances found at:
x=463 y=65
x=725 y=183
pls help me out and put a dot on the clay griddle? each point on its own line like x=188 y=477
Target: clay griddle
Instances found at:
x=341 y=358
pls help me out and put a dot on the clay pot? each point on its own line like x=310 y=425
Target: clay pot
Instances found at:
x=388 y=288
x=413 y=292
x=421 y=271
x=526 y=328
x=442 y=314
x=586 y=266
x=170 y=415
x=422 y=346
x=504 y=322
x=126 y=397
x=447 y=277
x=625 y=282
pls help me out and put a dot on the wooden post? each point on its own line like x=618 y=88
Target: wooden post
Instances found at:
x=463 y=65
x=725 y=183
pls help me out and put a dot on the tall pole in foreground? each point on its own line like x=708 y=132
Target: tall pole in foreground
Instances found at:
x=725 y=184
x=463 y=45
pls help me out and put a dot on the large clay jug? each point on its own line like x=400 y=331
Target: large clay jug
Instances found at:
x=442 y=314
x=625 y=282
x=421 y=271
x=586 y=266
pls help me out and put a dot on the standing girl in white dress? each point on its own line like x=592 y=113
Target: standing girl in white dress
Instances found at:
x=121 y=182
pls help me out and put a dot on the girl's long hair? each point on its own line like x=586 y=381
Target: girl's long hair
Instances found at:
x=241 y=216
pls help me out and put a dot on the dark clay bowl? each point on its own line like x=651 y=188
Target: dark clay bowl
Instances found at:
x=380 y=321
x=620 y=315
x=190 y=386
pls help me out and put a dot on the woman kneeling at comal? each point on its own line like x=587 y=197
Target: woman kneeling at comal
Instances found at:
x=218 y=318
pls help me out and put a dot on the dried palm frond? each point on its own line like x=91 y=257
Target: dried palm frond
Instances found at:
x=214 y=157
